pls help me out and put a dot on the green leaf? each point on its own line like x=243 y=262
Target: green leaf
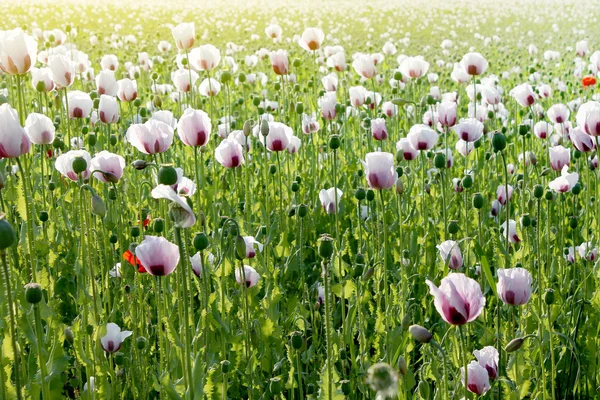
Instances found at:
x=485 y=267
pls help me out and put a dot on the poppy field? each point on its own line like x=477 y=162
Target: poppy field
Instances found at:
x=304 y=200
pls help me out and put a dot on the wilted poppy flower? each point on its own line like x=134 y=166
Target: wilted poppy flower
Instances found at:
x=180 y=212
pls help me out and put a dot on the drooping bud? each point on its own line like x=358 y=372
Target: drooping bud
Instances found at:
x=420 y=334
x=514 y=345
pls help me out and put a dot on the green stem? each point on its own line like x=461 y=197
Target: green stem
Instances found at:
x=13 y=335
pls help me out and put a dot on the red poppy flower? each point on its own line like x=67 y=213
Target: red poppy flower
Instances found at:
x=133 y=260
x=49 y=153
x=146 y=221
x=588 y=81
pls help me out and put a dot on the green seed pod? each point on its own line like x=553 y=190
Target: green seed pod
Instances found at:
x=119 y=358
x=397 y=76
x=33 y=293
x=43 y=216
x=167 y=175
x=467 y=181
x=91 y=139
x=526 y=220
x=439 y=161
x=499 y=142
x=299 y=108
x=140 y=343
x=79 y=165
x=523 y=130
x=137 y=103
x=134 y=231
x=360 y=194
x=573 y=223
x=345 y=387
x=158 y=225
x=326 y=246
x=310 y=389
x=370 y=195
x=576 y=189
x=272 y=169
x=201 y=241
x=453 y=227
x=112 y=194
x=538 y=191
x=113 y=238
x=275 y=386
x=549 y=296
x=295 y=187
x=478 y=201
x=242 y=78
x=7 y=234
x=225 y=366
x=334 y=142
x=226 y=77
x=89 y=329
x=297 y=340
x=549 y=195
x=302 y=210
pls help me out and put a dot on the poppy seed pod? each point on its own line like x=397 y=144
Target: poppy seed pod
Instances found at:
x=33 y=293
x=326 y=246
x=167 y=175
x=499 y=141
x=7 y=234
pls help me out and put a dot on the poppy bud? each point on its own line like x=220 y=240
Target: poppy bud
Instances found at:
x=478 y=201
x=69 y=337
x=139 y=164
x=98 y=206
x=499 y=142
x=264 y=127
x=43 y=216
x=368 y=274
x=247 y=128
x=33 y=293
x=514 y=345
x=79 y=165
x=240 y=247
x=325 y=246
x=402 y=366
x=423 y=389
x=7 y=234
x=167 y=175
x=420 y=334
x=405 y=322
